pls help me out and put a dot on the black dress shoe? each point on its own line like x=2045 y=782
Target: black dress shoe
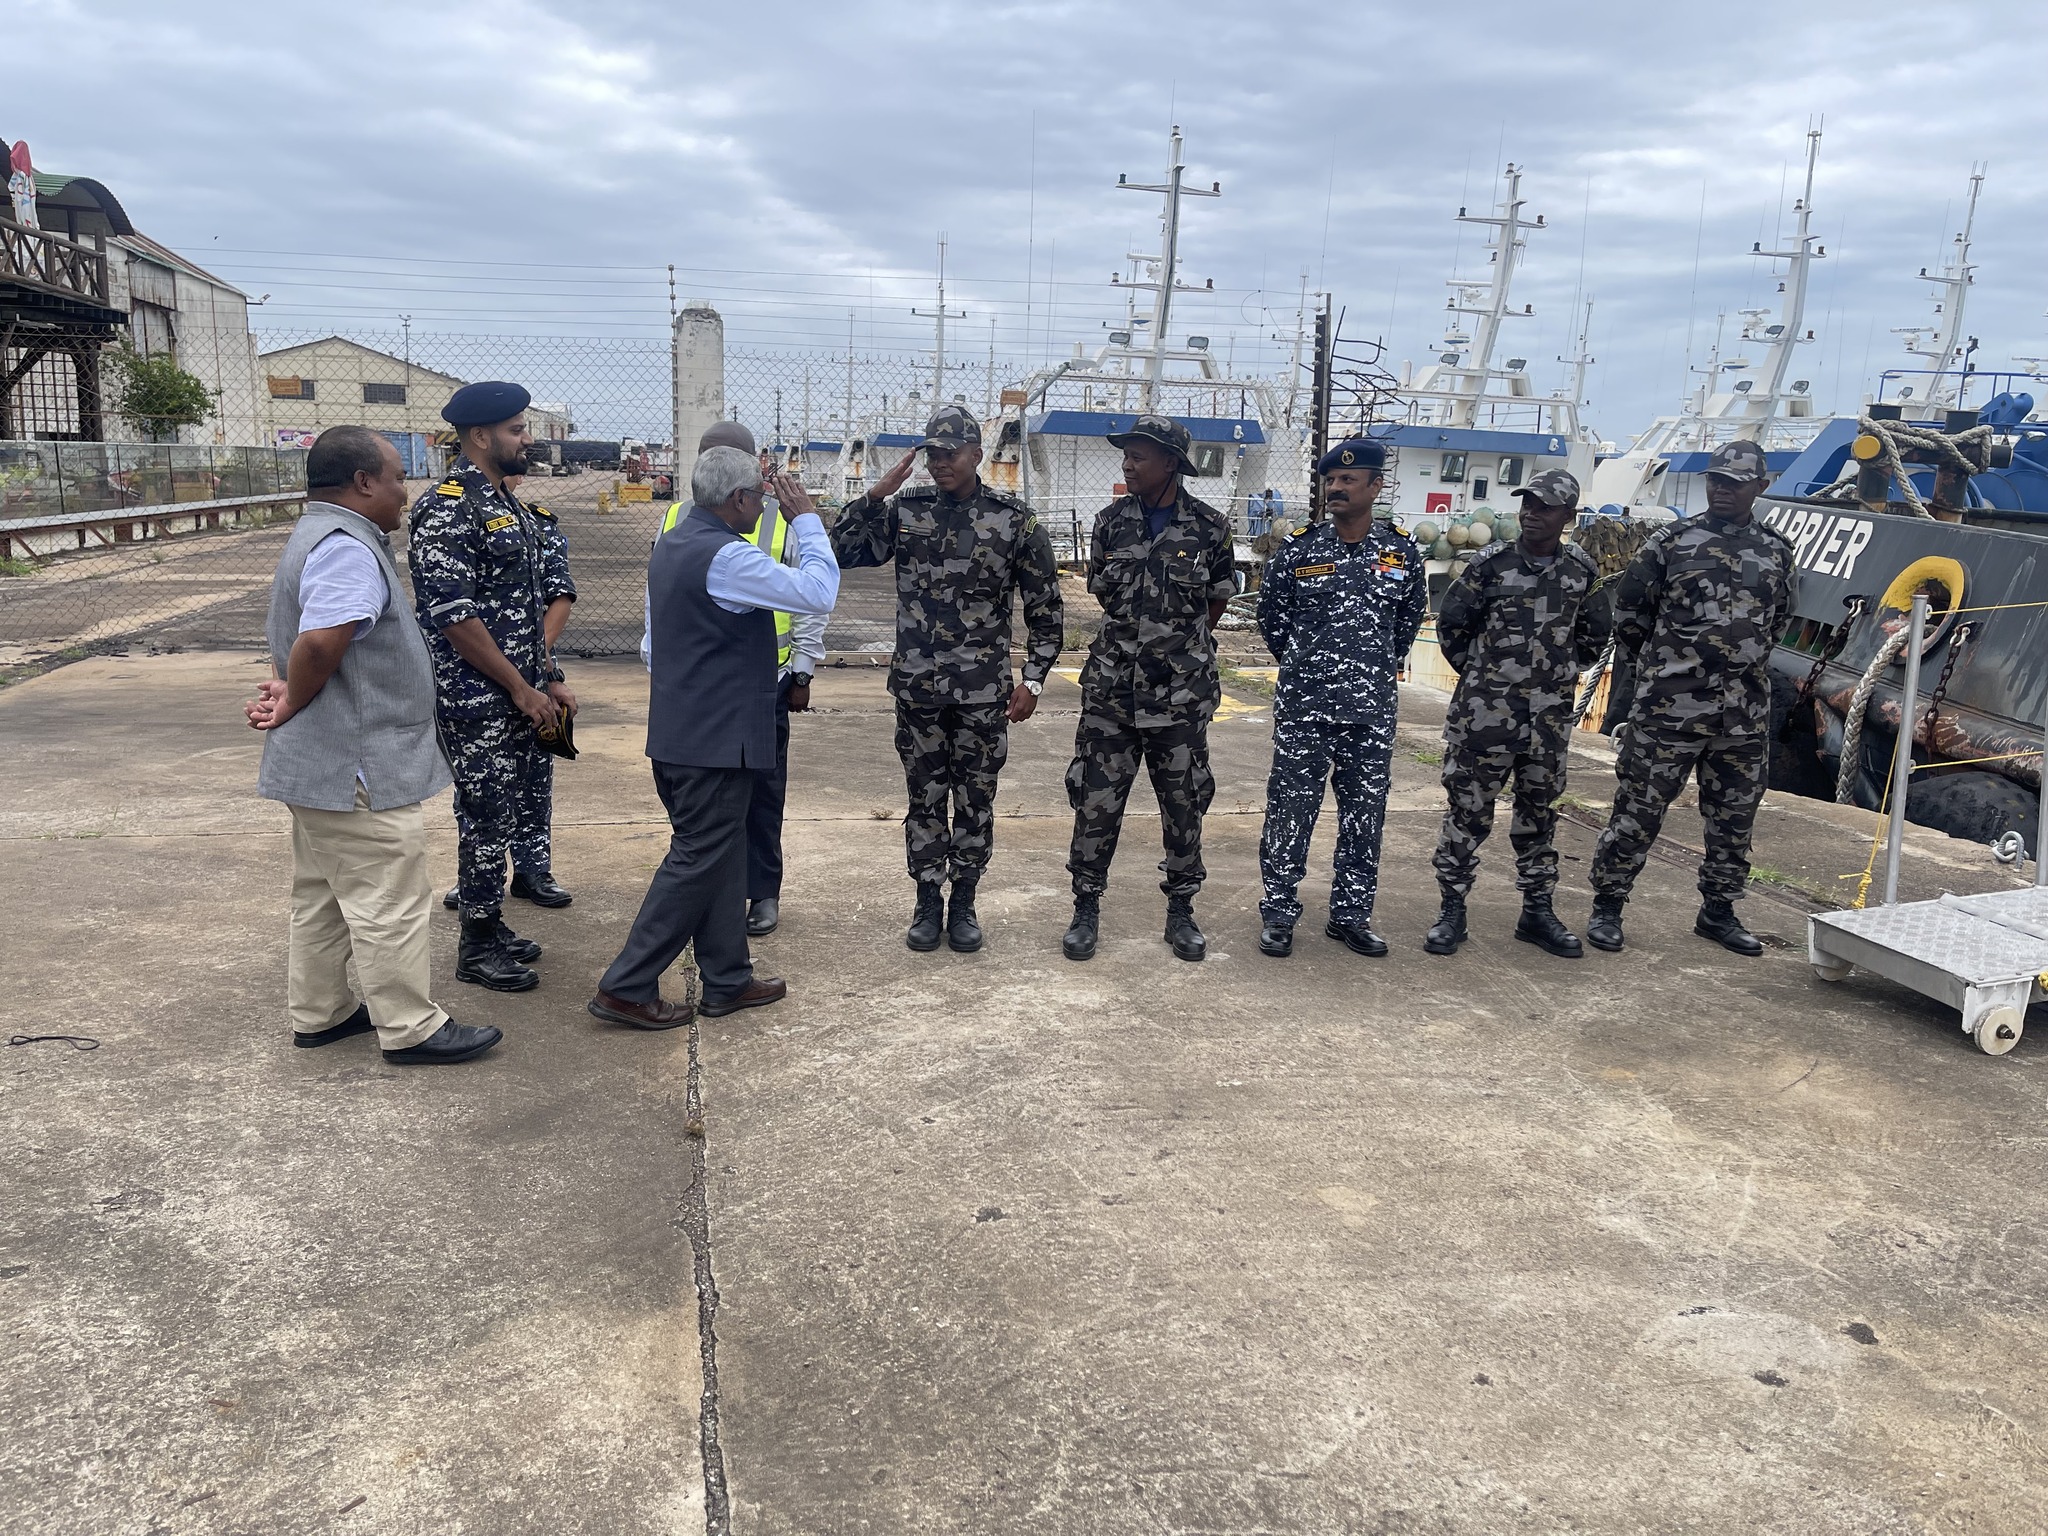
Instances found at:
x=1357 y=937
x=357 y=1023
x=451 y=1042
x=525 y=951
x=760 y=992
x=453 y=900
x=540 y=889
x=1276 y=941
x=762 y=917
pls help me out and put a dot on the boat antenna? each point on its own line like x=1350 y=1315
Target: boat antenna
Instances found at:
x=1166 y=267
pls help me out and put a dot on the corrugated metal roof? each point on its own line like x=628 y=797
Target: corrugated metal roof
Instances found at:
x=387 y=356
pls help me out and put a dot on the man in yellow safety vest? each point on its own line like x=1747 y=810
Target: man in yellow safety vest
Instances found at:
x=799 y=648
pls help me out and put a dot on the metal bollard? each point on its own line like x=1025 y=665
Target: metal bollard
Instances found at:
x=1902 y=756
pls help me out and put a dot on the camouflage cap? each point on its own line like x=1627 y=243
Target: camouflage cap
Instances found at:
x=1553 y=487
x=951 y=428
x=1741 y=461
x=1163 y=430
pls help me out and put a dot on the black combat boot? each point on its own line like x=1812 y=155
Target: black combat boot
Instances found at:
x=929 y=917
x=1276 y=939
x=481 y=959
x=1448 y=932
x=525 y=951
x=1078 y=943
x=1717 y=921
x=1603 y=928
x=1541 y=926
x=1181 y=932
x=963 y=932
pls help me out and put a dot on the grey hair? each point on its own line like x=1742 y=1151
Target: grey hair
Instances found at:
x=718 y=473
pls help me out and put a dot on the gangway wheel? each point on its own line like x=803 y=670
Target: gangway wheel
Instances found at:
x=1832 y=970
x=1999 y=1029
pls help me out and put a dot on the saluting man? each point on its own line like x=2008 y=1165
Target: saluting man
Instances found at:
x=1162 y=565
x=484 y=582
x=1518 y=628
x=1340 y=607
x=1697 y=613
x=961 y=549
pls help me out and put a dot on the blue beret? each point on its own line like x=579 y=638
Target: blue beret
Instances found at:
x=1354 y=453
x=483 y=405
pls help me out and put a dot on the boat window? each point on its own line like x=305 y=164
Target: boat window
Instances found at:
x=1479 y=487
x=1454 y=466
x=1511 y=473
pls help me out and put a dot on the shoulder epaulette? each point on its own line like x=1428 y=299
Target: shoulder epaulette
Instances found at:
x=450 y=487
x=1006 y=498
x=540 y=511
x=1584 y=557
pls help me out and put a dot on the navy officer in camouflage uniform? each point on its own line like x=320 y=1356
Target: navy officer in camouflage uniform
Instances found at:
x=1517 y=627
x=1339 y=608
x=1162 y=565
x=961 y=548
x=486 y=570
x=1696 y=615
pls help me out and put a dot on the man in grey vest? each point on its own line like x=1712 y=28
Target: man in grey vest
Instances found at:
x=349 y=745
x=712 y=598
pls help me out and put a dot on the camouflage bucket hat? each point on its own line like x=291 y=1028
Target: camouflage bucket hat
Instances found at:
x=1741 y=461
x=1553 y=487
x=1163 y=430
x=951 y=428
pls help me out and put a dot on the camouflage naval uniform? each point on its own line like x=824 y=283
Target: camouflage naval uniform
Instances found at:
x=1149 y=686
x=1698 y=611
x=1339 y=618
x=532 y=843
x=1518 y=631
x=480 y=553
x=957 y=564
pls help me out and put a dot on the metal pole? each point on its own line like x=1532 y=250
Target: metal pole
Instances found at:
x=1902 y=754
x=2041 y=816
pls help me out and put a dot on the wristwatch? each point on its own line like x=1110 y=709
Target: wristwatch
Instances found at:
x=1036 y=688
x=800 y=679
x=554 y=673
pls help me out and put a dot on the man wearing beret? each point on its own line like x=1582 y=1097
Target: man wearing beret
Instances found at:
x=961 y=548
x=488 y=575
x=1696 y=615
x=1339 y=608
x=1518 y=626
x=1162 y=565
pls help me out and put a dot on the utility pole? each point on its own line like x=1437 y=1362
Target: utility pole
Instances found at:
x=406 y=322
x=1319 y=408
x=1165 y=266
x=847 y=434
x=939 y=317
x=990 y=410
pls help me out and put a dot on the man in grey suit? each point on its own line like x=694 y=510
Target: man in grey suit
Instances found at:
x=349 y=746
x=712 y=599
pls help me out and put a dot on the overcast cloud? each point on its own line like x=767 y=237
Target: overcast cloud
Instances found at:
x=795 y=159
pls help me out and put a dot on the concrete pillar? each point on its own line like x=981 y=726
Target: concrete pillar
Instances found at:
x=699 y=382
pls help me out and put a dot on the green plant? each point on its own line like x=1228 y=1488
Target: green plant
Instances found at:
x=11 y=567
x=153 y=394
x=1251 y=683
x=1428 y=758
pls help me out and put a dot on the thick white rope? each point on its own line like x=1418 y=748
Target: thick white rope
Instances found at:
x=1859 y=704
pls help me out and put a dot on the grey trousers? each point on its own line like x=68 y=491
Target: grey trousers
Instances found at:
x=700 y=891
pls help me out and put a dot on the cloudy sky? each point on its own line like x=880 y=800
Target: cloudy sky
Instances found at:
x=534 y=166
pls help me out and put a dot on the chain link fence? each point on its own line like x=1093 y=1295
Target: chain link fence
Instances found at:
x=172 y=544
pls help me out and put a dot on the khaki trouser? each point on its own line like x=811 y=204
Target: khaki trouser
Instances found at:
x=359 y=889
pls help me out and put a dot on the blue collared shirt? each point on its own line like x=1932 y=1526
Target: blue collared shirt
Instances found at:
x=743 y=576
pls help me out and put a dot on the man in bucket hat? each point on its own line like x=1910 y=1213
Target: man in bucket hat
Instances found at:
x=1695 y=617
x=1162 y=566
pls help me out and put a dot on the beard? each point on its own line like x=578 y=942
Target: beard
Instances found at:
x=514 y=462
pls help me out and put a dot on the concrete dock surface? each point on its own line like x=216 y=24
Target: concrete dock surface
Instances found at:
x=1661 y=1241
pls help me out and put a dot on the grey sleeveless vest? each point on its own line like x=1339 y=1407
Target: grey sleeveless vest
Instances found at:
x=375 y=717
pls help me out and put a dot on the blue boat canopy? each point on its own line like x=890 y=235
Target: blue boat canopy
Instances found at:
x=1203 y=429
x=820 y=447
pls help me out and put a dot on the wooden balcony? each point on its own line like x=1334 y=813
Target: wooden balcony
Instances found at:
x=45 y=276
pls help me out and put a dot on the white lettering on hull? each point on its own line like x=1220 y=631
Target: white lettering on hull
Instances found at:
x=1827 y=542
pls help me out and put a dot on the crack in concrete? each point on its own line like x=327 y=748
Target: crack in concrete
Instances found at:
x=696 y=1223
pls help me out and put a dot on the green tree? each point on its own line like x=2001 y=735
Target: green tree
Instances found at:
x=153 y=394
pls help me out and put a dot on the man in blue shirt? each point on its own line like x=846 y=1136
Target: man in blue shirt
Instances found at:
x=713 y=595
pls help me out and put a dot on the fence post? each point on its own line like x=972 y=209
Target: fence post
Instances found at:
x=1902 y=754
x=2041 y=814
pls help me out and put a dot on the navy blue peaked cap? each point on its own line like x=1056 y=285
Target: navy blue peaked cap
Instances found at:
x=483 y=405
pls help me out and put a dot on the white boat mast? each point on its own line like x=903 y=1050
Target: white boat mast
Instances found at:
x=1164 y=267
x=1951 y=294
x=1467 y=362
x=938 y=317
